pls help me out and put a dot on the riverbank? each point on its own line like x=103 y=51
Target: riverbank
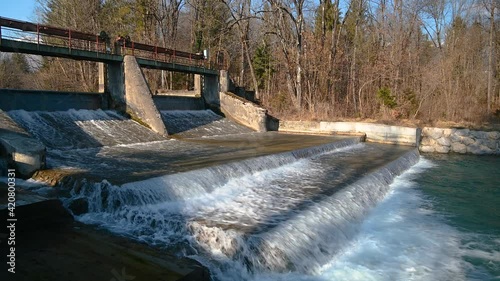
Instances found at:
x=50 y=245
x=427 y=139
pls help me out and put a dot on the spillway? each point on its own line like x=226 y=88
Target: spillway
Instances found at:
x=272 y=214
x=200 y=123
x=247 y=205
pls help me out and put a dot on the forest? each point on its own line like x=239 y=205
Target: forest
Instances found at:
x=421 y=60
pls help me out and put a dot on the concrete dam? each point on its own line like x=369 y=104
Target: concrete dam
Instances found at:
x=216 y=197
x=244 y=204
x=239 y=204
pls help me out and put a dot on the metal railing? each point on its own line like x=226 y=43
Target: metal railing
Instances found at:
x=97 y=43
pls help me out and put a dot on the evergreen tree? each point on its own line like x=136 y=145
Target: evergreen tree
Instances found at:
x=262 y=63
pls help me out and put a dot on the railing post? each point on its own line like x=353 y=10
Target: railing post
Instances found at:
x=69 y=32
x=38 y=34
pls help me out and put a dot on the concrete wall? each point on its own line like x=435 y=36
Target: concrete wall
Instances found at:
x=445 y=140
x=178 y=103
x=374 y=132
x=243 y=111
x=18 y=149
x=32 y=100
x=138 y=97
x=115 y=86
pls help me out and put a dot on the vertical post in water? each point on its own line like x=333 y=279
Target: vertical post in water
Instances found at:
x=102 y=77
x=197 y=85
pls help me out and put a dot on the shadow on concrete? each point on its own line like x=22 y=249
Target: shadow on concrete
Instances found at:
x=198 y=123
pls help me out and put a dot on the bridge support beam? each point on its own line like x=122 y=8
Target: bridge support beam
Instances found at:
x=197 y=85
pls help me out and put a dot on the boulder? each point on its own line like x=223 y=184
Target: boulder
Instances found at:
x=449 y=132
x=491 y=144
x=467 y=140
x=493 y=135
x=462 y=132
x=444 y=141
x=459 y=148
x=427 y=148
x=442 y=149
x=434 y=133
x=479 y=134
x=479 y=149
x=427 y=141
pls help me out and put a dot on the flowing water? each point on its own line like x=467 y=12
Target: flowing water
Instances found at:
x=197 y=123
x=281 y=207
x=98 y=144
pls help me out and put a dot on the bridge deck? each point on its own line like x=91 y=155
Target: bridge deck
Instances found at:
x=7 y=45
x=66 y=43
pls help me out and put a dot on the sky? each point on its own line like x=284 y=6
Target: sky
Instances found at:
x=18 y=9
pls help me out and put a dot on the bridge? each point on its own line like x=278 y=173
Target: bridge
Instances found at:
x=37 y=39
x=122 y=85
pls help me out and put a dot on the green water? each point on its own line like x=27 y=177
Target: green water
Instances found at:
x=465 y=190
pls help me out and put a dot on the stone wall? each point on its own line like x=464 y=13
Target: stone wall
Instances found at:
x=445 y=140
x=243 y=111
x=431 y=140
x=374 y=132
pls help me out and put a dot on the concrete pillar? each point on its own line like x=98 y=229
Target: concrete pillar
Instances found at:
x=224 y=81
x=197 y=85
x=102 y=77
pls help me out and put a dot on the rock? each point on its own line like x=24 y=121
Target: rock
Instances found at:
x=427 y=141
x=467 y=140
x=491 y=144
x=443 y=141
x=449 y=132
x=479 y=134
x=462 y=132
x=456 y=138
x=459 y=148
x=493 y=135
x=434 y=133
x=427 y=149
x=479 y=149
x=442 y=149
